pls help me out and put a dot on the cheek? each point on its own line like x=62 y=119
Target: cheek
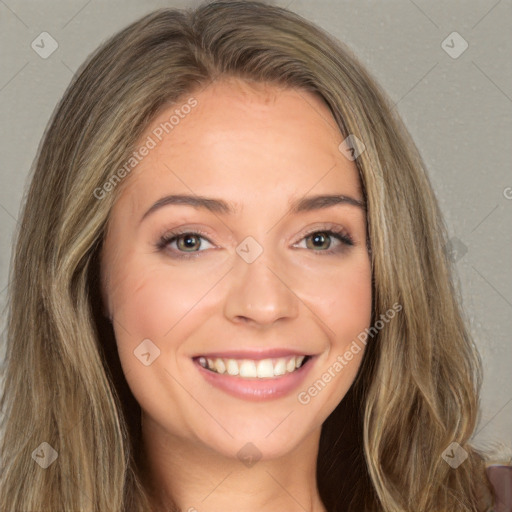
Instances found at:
x=342 y=299
x=148 y=304
x=354 y=301
x=162 y=303
x=345 y=307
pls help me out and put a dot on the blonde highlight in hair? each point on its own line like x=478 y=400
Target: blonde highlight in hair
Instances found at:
x=418 y=386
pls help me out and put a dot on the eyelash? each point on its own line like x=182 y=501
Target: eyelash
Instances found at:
x=334 y=232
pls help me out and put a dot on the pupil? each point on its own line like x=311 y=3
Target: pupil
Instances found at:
x=319 y=238
x=189 y=241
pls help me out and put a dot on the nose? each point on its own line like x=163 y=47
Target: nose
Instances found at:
x=259 y=293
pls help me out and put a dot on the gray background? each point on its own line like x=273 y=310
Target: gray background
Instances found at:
x=458 y=111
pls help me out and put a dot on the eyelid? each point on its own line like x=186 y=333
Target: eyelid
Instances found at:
x=325 y=227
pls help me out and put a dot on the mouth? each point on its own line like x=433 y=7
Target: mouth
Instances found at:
x=255 y=379
x=253 y=368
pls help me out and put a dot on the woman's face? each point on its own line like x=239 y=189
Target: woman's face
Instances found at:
x=247 y=282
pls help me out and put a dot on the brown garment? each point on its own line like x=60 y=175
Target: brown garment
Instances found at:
x=500 y=478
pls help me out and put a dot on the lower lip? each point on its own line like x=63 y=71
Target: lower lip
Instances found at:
x=257 y=389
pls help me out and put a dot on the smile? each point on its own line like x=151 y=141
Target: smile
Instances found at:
x=254 y=377
x=251 y=369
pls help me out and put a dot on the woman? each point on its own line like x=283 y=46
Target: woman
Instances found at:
x=309 y=355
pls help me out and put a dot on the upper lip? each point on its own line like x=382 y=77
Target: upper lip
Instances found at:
x=255 y=354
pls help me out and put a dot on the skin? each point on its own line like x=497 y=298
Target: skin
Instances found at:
x=258 y=147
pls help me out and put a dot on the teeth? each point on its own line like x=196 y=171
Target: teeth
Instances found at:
x=233 y=367
x=248 y=369
x=262 y=369
x=220 y=366
x=265 y=368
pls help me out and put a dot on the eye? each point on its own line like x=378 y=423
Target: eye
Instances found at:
x=320 y=241
x=184 y=242
x=188 y=244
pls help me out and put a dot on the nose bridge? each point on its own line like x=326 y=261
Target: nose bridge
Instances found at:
x=258 y=288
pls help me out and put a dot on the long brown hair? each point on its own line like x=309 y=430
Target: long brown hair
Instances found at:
x=418 y=386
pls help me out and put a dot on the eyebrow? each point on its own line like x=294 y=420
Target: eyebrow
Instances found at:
x=220 y=206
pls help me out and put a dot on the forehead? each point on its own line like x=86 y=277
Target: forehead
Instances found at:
x=243 y=141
